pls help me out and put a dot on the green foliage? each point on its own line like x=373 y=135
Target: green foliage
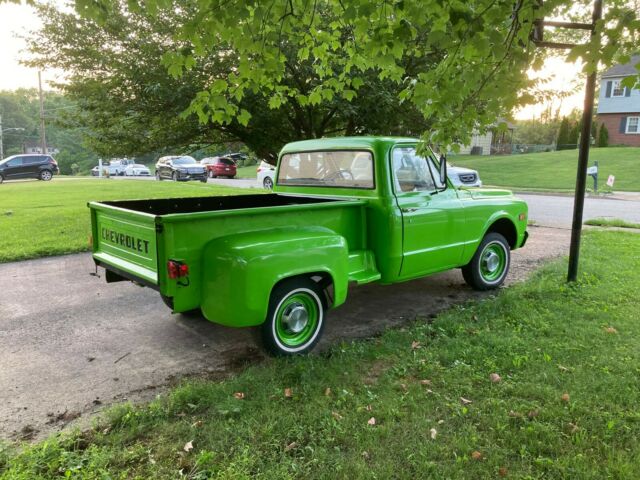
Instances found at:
x=574 y=136
x=533 y=132
x=21 y=109
x=563 y=135
x=603 y=136
x=544 y=338
x=38 y=230
x=136 y=102
x=472 y=56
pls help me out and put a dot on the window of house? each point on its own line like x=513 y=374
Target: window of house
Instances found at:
x=617 y=89
x=633 y=125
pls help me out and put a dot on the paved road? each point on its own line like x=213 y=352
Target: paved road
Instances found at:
x=71 y=343
x=557 y=211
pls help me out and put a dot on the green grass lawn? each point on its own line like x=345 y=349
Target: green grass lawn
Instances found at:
x=612 y=222
x=51 y=218
x=417 y=402
x=556 y=170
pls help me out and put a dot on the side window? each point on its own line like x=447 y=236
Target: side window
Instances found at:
x=411 y=172
x=32 y=159
x=16 y=162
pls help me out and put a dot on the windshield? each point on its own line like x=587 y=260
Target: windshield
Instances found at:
x=346 y=169
x=186 y=160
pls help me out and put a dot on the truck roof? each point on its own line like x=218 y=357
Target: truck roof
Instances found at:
x=347 y=143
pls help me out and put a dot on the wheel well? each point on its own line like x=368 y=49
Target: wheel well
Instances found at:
x=507 y=229
x=324 y=281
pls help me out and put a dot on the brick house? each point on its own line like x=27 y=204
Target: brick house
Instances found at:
x=618 y=106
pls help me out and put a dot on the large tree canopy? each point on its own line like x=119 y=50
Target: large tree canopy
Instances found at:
x=131 y=104
x=266 y=72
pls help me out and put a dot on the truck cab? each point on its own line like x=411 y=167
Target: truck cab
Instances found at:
x=348 y=210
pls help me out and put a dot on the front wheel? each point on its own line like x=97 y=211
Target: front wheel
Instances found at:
x=158 y=177
x=490 y=264
x=295 y=318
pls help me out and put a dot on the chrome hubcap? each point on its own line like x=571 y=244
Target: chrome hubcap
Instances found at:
x=295 y=317
x=491 y=261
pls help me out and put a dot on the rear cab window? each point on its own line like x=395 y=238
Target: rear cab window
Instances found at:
x=333 y=168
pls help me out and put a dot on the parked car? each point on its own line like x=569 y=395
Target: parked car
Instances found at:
x=180 y=168
x=463 y=177
x=266 y=174
x=236 y=157
x=219 y=167
x=136 y=170
x=344 y=210
x=42 y=167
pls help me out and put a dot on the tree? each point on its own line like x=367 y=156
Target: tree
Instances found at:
x=476 y=53
x=603 y=137
x=131 y=105
x=563 y=135
x=574 y=136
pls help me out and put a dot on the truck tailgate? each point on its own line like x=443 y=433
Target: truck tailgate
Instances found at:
x=125 y=241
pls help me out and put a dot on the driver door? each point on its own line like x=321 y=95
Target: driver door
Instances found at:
x=432 y=221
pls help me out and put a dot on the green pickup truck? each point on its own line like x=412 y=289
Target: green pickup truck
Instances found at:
x=343 y=210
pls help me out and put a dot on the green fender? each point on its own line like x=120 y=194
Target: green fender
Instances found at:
x=240 y=271
x=472 y=246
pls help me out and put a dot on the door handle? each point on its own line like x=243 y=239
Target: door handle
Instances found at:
x=408 y=210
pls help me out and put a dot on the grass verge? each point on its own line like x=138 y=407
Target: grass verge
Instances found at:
x=51 y=218
x=555 y=170
x=611 y=222
x=416 y=402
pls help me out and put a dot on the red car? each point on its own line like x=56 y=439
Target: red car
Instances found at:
x=219 y=167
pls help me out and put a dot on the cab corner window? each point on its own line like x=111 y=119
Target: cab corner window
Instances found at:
x=344 y=169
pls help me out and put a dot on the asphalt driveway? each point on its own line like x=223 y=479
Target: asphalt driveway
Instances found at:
x=70 y=344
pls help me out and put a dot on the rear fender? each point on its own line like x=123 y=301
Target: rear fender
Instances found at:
x=239 y=271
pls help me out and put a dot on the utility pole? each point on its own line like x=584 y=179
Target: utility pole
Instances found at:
x=585 y=137
x=43 y=138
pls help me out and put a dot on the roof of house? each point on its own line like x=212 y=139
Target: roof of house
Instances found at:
x=623 y=70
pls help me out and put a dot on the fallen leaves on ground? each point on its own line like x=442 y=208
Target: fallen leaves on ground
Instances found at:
x=565 y=397
x=239 y=395
x=465 y=401
x=425 y=382
x=188 y=446
x=433 y=433
x=327 y=392
x=288 y=393
x=495 y=378
x=291 y=446
x=415 y=344
x=476 y=455
x=336 y=415
x=371 y=421
x=610 y=330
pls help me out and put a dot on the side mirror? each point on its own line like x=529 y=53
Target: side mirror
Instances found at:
x=443 y=170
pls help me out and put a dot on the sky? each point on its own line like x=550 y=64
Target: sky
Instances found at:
x=16 y=19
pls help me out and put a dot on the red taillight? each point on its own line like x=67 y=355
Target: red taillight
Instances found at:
x=177 y=269
x=259 y=169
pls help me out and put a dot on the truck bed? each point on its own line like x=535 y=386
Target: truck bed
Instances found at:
x=133 y=239
x=167 y=206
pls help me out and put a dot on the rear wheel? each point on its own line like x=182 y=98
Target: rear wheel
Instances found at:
x=267 y=183
x=158 y=177
x=46 y=175
x=490 y=264
x=295 y=318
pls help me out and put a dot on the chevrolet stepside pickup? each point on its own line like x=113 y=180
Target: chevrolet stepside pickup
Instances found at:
x=343 y=210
